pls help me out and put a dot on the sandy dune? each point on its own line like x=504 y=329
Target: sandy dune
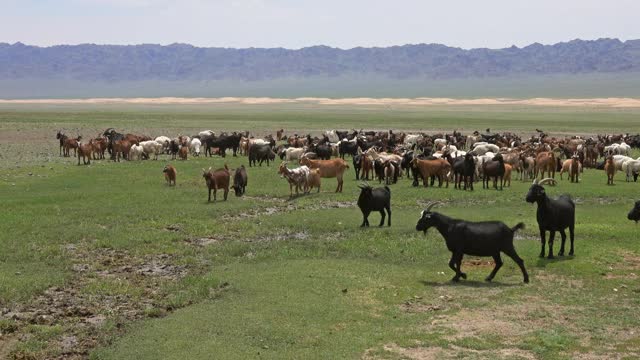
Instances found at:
x=597 y=102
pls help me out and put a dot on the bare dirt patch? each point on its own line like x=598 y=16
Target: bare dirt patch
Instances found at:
x=82 y=307
x=456 y=352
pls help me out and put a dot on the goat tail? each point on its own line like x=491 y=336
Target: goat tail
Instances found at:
x=518 y=226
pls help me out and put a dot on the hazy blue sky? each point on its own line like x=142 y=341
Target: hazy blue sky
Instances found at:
x=299 y=23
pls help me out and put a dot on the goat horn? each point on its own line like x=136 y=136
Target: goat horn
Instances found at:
x=547 y=180
x=535 y=181
x=432 y=205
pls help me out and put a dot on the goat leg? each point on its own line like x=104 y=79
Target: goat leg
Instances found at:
x=382 y=214
x=571 y=227
x=563 y=236
x=543 y=241
x=552 y=235
x=452 y=265
x=498 y=264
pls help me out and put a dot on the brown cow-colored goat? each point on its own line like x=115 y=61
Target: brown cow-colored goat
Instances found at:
x=170 y=174
x=429 y=168
x=183 y=153
x=328 y=168
x=610 y=169
x=218 y=179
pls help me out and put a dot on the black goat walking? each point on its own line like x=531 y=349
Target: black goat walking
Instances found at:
x=487 y=238
x=634 y=214
x=378 y=199
x=553 y=215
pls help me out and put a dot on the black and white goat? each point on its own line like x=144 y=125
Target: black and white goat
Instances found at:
x=553 y=215
x=487 y=238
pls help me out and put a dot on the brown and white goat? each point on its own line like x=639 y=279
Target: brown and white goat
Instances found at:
x=297 y=178
x=84 y=151
x=573 y=167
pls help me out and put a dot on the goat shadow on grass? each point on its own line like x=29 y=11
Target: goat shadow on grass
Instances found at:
x=467 y=283
x=543 y=262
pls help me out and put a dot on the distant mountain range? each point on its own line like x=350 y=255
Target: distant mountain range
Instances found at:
x=185 y=63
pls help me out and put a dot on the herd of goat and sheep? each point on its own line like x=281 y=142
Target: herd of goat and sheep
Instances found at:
x=387 y=156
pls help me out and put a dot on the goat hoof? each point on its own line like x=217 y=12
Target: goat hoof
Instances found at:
x=550 y=257
x=526 y=280
x=561 y=253
x=455 y=279
x=570 y=253
x=463 y=275
x=488 y=279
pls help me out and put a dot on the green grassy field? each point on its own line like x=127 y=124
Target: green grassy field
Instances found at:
x=105 y=261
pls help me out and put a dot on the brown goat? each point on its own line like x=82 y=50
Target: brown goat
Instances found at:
x=218 y=179
x=121 y=147
x=366 y=166
x=84 y=151
x=328 y=168
x=508 y=169
x=610 y=169
x=69 y=144
x=99 y=146
x=575 y=168
x=546 y=161
x=313 y=180
x=184 y=151
x=429 y=168
x=170 y=174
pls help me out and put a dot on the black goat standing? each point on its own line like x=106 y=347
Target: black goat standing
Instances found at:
x=240 y=180
x=634 y=214
x=464 y=169
x=378 y=199
x=487 y=238
x=553 y=215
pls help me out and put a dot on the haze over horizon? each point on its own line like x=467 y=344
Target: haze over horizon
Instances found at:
x=291 y=24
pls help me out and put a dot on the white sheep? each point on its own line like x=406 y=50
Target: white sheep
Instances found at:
x=618 y=160
x=332 y=135
x=152 y=147
x=135 y=152
x=630 y=167
x=485 y=148
x=293 y=153
x=412 y=139
x=194 y=146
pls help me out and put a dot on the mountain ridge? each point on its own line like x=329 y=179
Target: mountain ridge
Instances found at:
x=185 y=62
